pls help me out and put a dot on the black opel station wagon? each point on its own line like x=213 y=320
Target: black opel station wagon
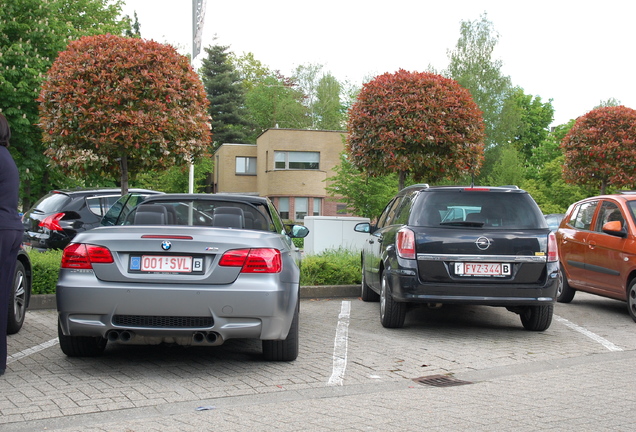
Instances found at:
x=462 y=245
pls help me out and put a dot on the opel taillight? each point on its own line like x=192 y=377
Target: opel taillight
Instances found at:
x=553 y=254
x=262 y=260
x=52 y=222
x=406 y=243
x=83 y=256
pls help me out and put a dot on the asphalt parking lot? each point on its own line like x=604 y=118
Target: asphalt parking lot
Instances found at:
x=454 y=368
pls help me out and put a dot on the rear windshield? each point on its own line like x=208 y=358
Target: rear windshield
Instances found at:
x=498 y=210
x=225 y=214
x=52 y=203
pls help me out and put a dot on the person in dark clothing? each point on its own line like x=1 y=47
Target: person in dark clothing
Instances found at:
x=10 y=232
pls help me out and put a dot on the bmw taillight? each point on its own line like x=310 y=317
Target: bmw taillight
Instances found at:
x=83 y=256
x=405 y=243
x=553 y=254
x=262 y=260
x=52 y=222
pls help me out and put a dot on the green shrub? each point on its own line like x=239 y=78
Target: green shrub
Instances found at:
x=331 y=267
x=46 y=266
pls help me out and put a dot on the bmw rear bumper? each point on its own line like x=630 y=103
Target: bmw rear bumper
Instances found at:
x=254 y=306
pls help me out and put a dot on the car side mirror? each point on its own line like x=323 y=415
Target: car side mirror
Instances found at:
x=363 y=227
x=615 y=228
x=298 y=231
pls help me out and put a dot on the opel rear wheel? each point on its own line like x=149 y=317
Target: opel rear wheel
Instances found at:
x=392 y=313
x=537 y=318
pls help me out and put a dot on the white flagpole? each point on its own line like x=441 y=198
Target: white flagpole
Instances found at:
x=198 y=15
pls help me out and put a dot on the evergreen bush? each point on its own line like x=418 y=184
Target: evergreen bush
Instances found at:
x=46 y=267
x=331 y=267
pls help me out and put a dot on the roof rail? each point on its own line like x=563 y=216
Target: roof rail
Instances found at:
x=417 y=185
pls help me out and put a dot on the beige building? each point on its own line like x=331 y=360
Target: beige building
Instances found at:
x=289 y=166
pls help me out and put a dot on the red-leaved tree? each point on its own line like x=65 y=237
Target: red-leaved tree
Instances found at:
x=415 y=123
x=600 y=149
x=113 y=103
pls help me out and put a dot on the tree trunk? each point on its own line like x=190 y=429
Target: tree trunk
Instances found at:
x=401 y=180
x=124 y=175
x=209 y=183
x=26 y=195
x=603 y=186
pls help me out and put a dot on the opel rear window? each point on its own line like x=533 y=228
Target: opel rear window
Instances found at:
x=495 y=210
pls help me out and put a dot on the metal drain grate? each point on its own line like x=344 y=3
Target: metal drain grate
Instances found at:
x=440 y=381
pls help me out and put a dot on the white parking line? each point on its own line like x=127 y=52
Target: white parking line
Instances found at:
x=27 y=352
x=340 y=345
x=607 y=344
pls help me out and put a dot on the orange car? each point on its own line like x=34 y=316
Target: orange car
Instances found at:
x=597 y=249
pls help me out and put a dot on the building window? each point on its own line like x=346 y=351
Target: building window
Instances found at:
x=292 y=160
x=300 y=208
x=283 y=207
x=316 y=209
x=246 y=165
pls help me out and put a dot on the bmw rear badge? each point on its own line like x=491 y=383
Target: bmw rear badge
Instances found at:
x=482 y=243
x=166 y=245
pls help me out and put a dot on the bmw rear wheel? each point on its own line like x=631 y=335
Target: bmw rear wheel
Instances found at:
x=286 y=349
x=392 y=313
x=81 y=346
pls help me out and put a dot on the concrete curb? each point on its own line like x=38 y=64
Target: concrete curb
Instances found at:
x=42 y=301
x=327 y=291
x=47 y=301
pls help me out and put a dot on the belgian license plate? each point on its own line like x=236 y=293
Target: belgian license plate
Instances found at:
x=167 y=264
x=482 y=269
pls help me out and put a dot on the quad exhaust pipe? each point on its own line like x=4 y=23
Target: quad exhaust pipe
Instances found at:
x=199 y=337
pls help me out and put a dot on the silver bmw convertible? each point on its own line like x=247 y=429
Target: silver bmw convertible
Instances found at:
x=185 y=269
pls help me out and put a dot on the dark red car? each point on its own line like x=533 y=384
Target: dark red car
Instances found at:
x=597 y=249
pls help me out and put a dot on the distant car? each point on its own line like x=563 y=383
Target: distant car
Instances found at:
x=186 y=269
x=496 y=251
x=20 y=294
x=553 y=220
x=597 y=249
x=57 y=217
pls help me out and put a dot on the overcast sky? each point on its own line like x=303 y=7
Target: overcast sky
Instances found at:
x=576 y=53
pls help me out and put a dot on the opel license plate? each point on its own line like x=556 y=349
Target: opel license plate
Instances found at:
x=482 y=269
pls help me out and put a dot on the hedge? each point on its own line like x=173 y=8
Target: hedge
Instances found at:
x=332 y=267
x=46 y=266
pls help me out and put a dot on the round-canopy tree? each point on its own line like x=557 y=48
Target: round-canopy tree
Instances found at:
x=598 y=147
x=113 y=103
x=414 y=123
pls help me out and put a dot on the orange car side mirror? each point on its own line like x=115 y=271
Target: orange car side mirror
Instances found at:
x=615 y=228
